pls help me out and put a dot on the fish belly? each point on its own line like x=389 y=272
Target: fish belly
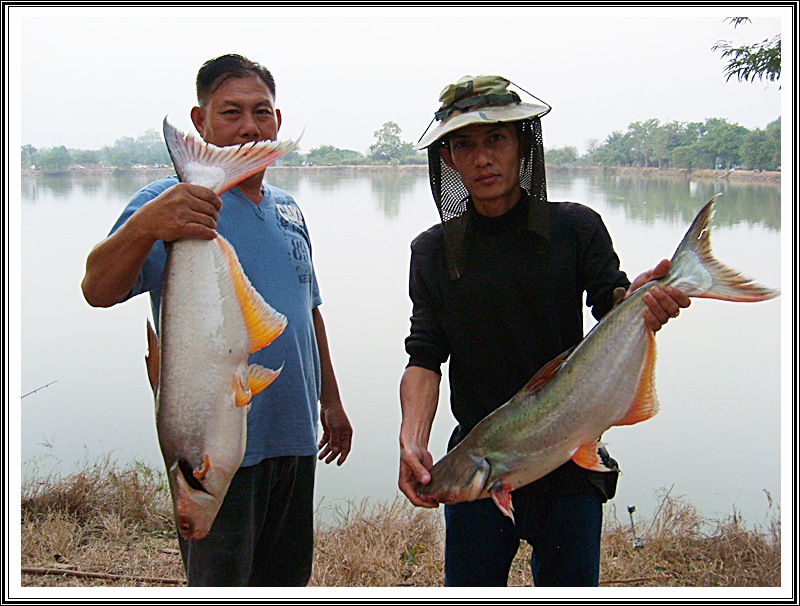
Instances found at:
x=533 y=434
x=204 y=357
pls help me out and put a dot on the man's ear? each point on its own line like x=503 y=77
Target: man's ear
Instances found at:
x=278 y=117
x=198 y=118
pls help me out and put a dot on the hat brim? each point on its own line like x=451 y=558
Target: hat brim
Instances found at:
x=482 y=115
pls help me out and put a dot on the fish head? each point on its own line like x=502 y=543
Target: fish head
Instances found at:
x=197 y=502
x=455 y=479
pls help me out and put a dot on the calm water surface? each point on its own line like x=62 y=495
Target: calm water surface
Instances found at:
x=716 y=440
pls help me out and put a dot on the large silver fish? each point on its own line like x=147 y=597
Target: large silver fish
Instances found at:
x=211 y=319
x=606 y=380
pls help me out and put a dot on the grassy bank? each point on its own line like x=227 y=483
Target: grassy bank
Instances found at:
x=112 y=526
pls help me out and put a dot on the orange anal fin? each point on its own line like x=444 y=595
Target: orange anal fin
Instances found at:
x=153 y=357
x=258 y=379
x=501 y=495
x=263 y=323
x=201 y=473
x=595 y=457
x=645 y=402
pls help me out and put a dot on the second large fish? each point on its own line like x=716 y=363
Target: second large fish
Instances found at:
x=606 y=380
x=211 y=319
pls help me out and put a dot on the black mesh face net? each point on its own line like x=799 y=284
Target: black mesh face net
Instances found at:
x=452 y=197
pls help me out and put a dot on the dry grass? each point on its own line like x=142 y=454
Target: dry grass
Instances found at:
x=682 y=549
x=107 y=526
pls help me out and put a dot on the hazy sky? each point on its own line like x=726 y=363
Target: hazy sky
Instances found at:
x=84 y=77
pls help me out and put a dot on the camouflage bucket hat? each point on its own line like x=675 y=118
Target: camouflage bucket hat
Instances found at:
x=481 y=99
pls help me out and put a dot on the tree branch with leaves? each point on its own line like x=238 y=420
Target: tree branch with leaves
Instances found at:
x=761 y=60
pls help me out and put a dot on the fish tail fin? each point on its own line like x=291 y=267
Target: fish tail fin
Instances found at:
x=153 y=357
x=696 y=271
x=264 y=324
x=233 y=164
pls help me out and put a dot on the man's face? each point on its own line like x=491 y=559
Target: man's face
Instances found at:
x=487 y=157
x=241 y=110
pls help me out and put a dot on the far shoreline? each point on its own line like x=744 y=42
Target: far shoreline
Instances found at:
x=738 y=175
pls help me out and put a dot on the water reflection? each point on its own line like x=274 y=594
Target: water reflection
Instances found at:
x=653 y=200
x=389 y=187
x=57 y=186
x=647 y=200
x=112 y=184
x=678 y=200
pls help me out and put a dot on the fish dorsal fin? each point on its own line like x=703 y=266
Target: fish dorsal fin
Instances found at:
x=645 y=402
x=263 y=323
x=546 y=372
x=220 y=168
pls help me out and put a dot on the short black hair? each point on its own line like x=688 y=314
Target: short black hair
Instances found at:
x=216 y=71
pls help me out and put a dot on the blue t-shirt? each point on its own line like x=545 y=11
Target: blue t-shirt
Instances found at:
x=272 y=242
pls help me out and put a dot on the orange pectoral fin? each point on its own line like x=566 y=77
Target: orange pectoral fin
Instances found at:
x=593 y=456
x=243 y=395
x=263 y=323
x=260 y=378
x=645 y=402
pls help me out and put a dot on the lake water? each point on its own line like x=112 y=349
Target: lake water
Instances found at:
x=717 y=440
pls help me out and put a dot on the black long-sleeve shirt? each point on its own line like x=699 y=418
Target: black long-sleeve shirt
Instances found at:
x=517 y=305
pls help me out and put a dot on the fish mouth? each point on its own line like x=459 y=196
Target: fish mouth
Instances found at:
x=187 y=471
x=467 y=486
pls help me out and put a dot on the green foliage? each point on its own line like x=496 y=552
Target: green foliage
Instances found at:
x=388 y=148
x=328 y=155
x=715 y=143
x=121 y=154
x=293 y=158
x=562 y=156
x=54 y=160
x=29 y=153
x=761 y=60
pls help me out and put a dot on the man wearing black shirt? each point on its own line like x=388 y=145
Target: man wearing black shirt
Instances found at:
x=497 y=288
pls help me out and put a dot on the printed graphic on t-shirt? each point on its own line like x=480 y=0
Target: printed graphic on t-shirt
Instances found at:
x=291 y=221
x=291 y=213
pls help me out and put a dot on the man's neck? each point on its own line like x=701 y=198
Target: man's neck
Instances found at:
x=498 y=206
x=250 y=188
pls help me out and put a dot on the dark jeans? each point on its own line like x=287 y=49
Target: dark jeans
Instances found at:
x=563 y=531
x=263 y=535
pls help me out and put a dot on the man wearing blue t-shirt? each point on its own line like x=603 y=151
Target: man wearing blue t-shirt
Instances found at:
x=263 y=534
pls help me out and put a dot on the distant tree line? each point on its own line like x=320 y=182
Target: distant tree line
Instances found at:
x=149 y=150
x=713 y=144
